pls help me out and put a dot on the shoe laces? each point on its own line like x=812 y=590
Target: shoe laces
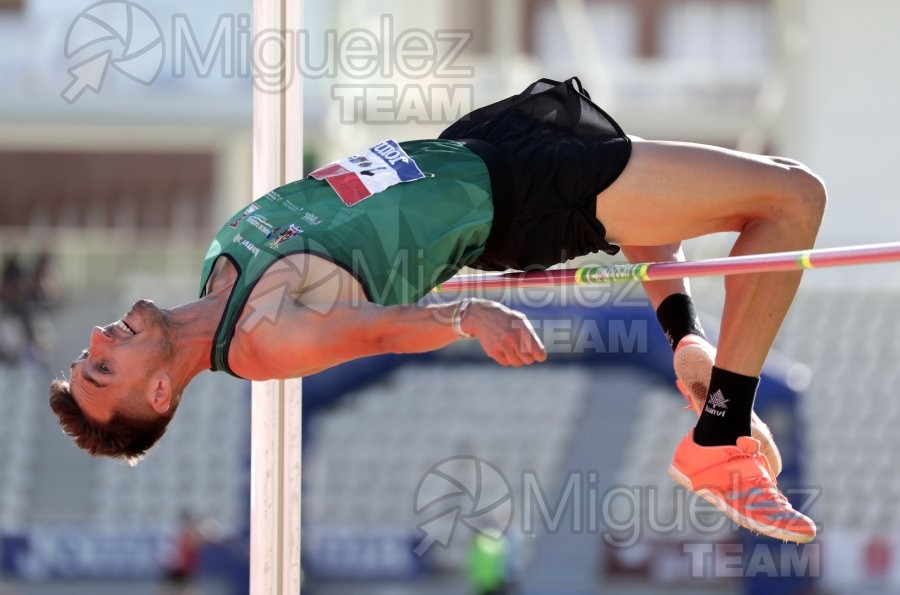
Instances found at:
x=761 y=486
x=769 y=491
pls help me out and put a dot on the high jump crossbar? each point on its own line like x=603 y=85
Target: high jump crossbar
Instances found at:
x=658 y=271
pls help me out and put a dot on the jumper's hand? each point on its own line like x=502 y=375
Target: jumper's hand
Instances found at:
x=505 y=335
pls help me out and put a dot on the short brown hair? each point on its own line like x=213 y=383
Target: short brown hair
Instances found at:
x=121 y=438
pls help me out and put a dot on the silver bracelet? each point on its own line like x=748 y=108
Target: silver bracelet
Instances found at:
x=458 y=313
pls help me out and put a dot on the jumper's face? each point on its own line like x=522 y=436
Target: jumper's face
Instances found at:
x=112 y=374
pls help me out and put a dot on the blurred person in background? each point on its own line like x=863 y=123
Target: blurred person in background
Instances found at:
x=487 y=565
x=41 y=288
x=325 y=270
x=184 y=564
x=15 y=323
x=28 y=295
x=23 y=328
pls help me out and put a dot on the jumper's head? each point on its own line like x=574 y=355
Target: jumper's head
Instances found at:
x=120 y=396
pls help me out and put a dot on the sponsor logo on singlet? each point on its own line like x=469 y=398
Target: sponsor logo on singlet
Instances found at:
x=247 y=211
x=239 y=239
x=286 y=235
x=253 y=249
x=311 y=218
x=260 y=223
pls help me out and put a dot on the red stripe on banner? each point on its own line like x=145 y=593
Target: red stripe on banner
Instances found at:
x=335 y=169
x=350 y=188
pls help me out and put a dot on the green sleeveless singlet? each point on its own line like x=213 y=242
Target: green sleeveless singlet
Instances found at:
x=399 y=243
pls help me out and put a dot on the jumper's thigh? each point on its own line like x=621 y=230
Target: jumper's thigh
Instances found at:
x=672 y=191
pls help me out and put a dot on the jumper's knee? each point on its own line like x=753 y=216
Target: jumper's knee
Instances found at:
x=801 y=197
x=809 y=197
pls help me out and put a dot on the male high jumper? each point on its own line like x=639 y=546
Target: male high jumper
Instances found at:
x=332 y=268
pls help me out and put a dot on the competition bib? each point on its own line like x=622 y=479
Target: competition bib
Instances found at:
x=356 y=178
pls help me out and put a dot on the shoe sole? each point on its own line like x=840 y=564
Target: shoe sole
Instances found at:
x=695 y=358
x=729 y=511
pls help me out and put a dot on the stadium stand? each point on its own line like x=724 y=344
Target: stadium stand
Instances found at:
x=198 y=467
x=849 y=339
x=17 y=439
x=384 y=438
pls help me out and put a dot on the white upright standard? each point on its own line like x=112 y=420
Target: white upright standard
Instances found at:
x=276 y=415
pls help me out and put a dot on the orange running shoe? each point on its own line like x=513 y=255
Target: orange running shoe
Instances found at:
x=736 y=480
x=694 y=359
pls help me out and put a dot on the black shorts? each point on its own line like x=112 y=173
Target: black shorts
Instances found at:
x=550 y=151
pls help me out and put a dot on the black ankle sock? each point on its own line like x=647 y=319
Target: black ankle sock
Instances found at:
x=677 y=317
x=729 y=405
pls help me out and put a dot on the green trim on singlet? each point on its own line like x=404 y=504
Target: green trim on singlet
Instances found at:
x=399 y=243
